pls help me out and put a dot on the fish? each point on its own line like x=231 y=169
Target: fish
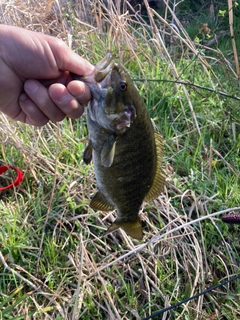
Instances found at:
x=127 y=152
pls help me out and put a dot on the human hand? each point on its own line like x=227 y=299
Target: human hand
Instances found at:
x=35 y=84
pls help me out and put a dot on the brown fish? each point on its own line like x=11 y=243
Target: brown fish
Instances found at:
x=126 y=151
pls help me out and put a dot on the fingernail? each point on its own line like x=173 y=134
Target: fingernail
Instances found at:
x=77 y=88
x=23 y=97
x=82 y=90
x=58 y=95
x=31 y=86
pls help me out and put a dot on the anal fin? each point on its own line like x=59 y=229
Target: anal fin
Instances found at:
x=99 y=202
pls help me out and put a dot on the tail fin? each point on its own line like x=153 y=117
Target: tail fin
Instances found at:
x=132 y=228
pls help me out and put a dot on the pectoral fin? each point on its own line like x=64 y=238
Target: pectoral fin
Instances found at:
x=87 y=154
x=99 y=202
x=108 y=151
x=159 y=178
x=132 y=228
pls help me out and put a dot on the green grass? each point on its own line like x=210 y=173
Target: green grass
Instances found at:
x=56 y=262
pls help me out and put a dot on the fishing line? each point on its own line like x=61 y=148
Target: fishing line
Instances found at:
x=191 y=298
x=191 y=85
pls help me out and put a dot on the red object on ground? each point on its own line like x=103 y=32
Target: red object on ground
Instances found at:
x=17 y=181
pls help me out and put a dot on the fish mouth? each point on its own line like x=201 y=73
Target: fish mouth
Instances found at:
x=104 y=67
x=98 y=79
x=101 y=78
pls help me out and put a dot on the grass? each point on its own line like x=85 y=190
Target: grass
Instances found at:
x=56 y=262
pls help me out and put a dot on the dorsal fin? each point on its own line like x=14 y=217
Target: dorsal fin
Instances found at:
x=159 y=178
x=99 y=202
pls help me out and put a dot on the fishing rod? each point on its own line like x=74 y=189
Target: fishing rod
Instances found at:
x=191 y=298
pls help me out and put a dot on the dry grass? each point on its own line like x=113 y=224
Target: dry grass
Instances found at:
x=65 y=268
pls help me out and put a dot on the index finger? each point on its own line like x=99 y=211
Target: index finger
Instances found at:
x=69 y=60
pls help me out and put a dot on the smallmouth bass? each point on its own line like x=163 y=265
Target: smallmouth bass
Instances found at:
x=126 y=151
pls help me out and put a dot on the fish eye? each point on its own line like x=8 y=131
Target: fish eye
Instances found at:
x=123 y=85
